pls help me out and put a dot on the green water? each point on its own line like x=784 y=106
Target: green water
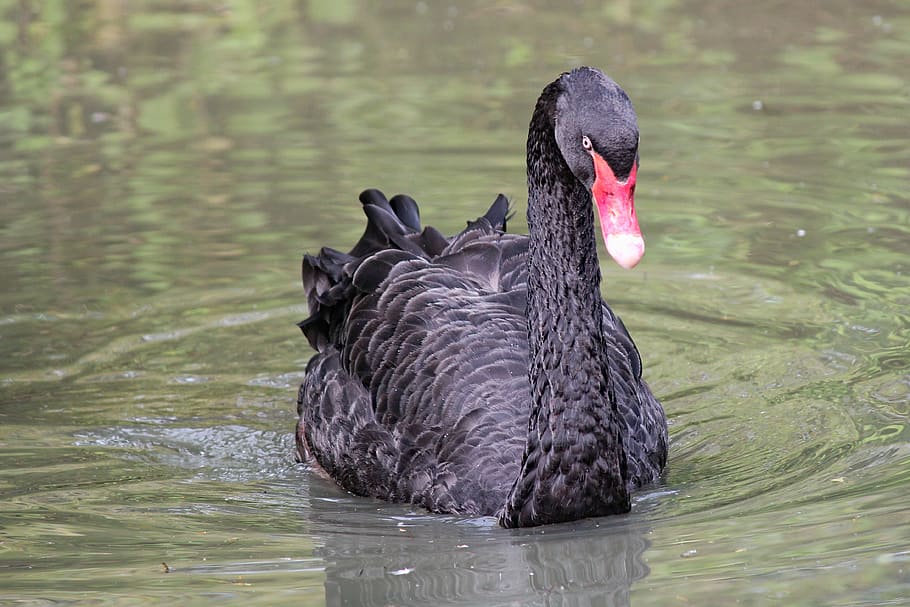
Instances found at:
x=164 y=165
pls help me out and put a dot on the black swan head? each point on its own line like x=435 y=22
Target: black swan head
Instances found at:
x=595 y=130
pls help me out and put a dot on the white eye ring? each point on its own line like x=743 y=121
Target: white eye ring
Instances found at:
x=586 y=143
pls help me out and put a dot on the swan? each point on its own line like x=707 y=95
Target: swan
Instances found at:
x=483 y=374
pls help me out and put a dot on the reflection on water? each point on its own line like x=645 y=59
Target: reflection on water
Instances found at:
x=428 y=564
x=163 y=167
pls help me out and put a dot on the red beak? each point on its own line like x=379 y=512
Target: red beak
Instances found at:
x=616 y=208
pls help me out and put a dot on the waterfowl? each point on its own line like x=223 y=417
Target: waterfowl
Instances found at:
x=483 y=374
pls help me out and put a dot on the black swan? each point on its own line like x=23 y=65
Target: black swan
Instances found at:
x=483 y=374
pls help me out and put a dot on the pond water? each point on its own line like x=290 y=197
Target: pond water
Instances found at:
x=164 y=165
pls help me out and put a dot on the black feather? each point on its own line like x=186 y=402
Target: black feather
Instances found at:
x=406 y=209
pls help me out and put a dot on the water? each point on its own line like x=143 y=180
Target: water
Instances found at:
x=163 y=166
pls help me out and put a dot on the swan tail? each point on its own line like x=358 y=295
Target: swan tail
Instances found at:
x=392 y=225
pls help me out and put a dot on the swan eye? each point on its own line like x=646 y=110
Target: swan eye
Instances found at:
x=586 y=143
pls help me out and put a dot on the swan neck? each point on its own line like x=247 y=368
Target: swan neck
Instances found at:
x=574 y=464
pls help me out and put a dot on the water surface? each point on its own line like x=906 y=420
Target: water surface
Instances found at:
x=163 y=166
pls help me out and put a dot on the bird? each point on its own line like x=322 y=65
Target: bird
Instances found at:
x=483 y=374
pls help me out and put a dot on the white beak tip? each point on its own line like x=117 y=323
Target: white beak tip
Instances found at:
x=625 y=249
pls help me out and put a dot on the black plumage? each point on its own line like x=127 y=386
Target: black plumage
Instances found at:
x=483 y=374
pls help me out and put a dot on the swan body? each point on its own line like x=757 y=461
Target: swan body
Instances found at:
x=483 y=374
